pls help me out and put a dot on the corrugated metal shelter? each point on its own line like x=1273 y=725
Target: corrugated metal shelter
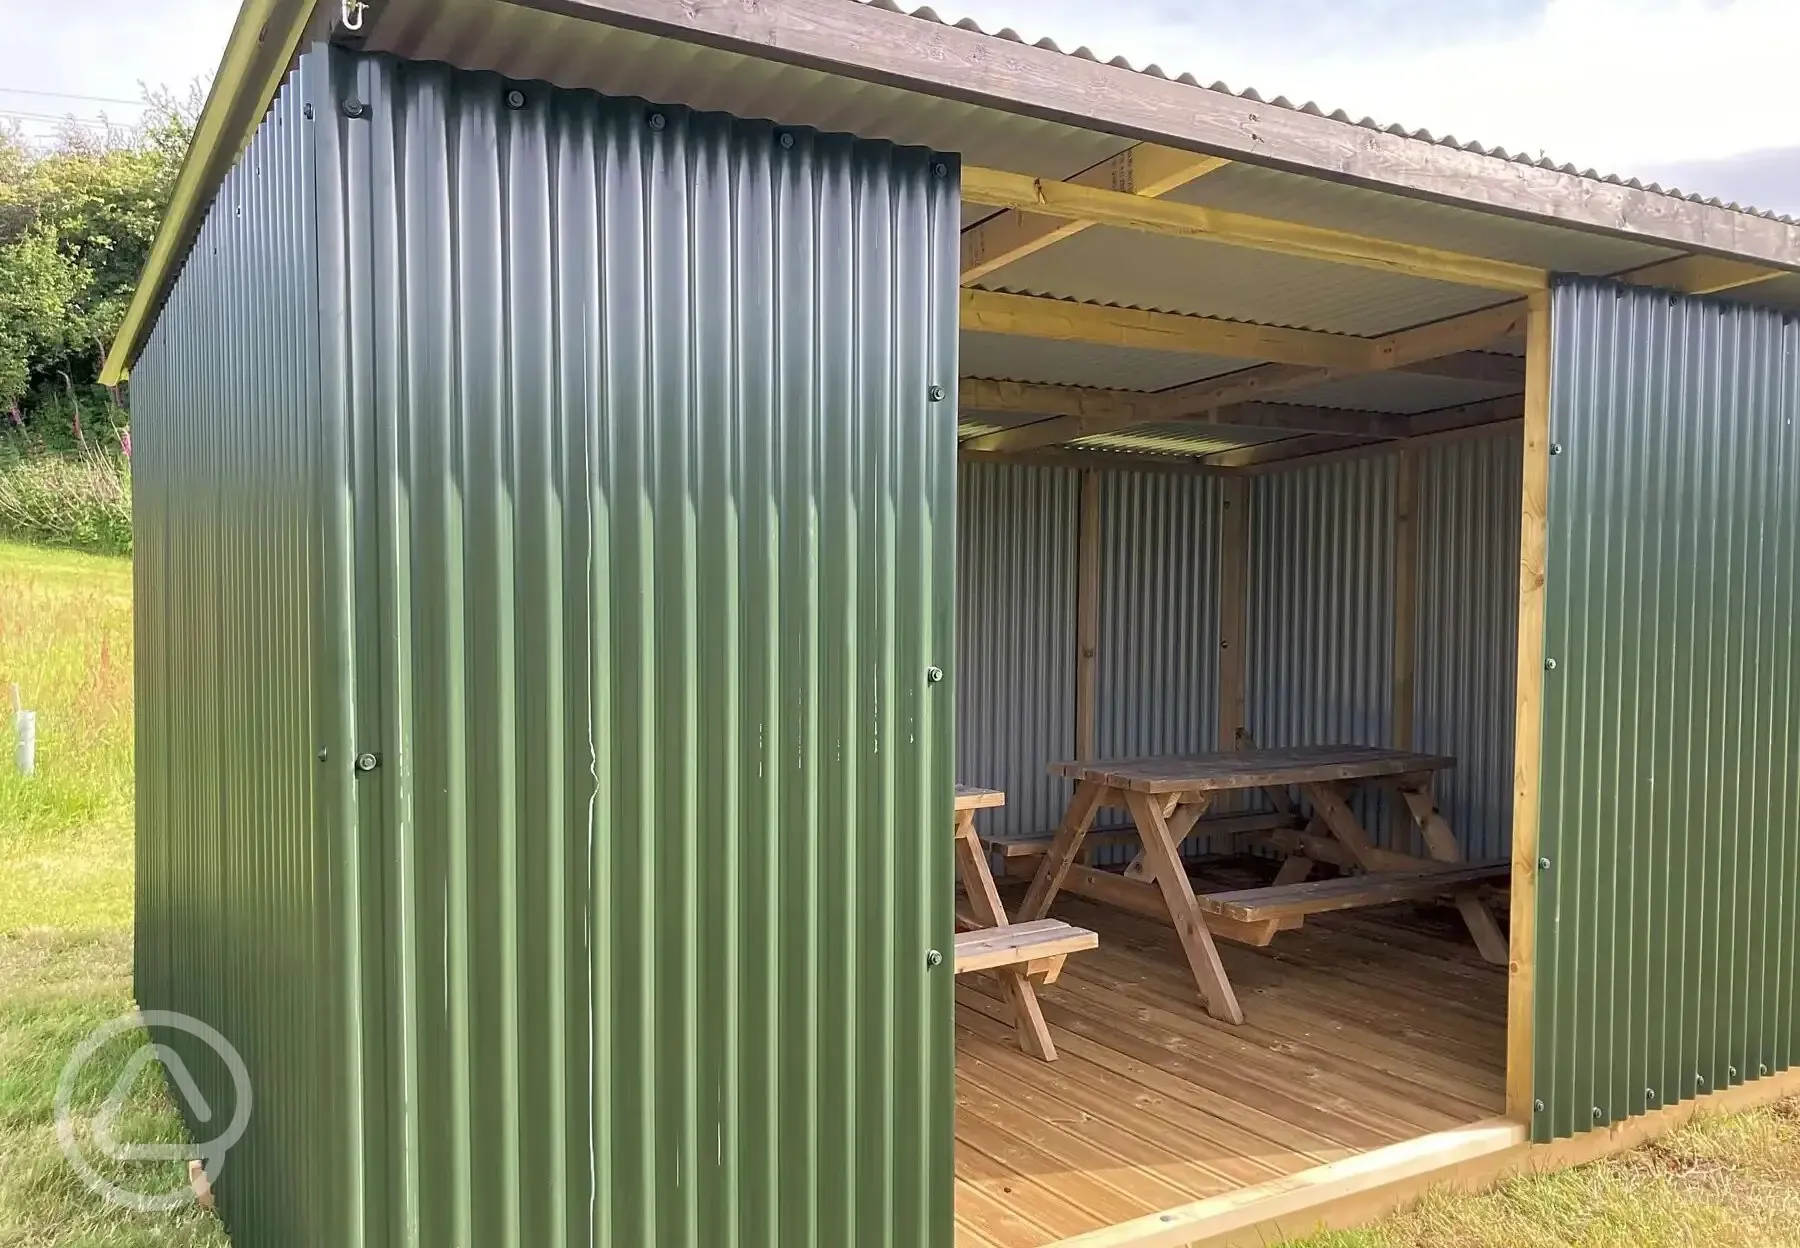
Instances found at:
x=607 y=467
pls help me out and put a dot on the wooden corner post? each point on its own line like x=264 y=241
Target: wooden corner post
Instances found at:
x=1087 y=616
x=1529 y=708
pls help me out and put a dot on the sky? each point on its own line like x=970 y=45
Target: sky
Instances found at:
x=1695 y=92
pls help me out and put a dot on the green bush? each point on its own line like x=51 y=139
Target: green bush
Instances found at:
x=80 y=500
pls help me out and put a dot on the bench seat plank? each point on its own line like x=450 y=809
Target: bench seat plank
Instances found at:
x=1349 y=892
x=1036 y=941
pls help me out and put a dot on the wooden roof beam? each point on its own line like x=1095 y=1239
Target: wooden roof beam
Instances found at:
x=1098 y=206
x=978 y=394
x=1141 y=169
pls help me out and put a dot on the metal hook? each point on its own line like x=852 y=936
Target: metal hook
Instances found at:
x=352 y=13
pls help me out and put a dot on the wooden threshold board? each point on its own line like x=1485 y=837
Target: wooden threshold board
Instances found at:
x=1362 y=1031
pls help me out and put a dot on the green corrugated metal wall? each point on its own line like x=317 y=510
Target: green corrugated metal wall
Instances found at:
x=647 y=527
x=1671 y=764
x=241 y=863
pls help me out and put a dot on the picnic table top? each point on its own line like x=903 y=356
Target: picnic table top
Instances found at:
x=1249 y=769
x=968 y=797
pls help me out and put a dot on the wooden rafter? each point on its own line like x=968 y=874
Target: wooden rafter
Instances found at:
x=1142 y=169
x=1047 y=197
x=977 y=394
x=1485 y=366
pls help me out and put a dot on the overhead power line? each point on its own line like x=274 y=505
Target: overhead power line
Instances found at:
x=66 y=95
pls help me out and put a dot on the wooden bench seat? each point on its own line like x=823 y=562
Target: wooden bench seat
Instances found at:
x=1350 y=892
x=1041 y=940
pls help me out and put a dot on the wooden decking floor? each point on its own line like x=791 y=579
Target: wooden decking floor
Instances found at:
x=1361 y=1030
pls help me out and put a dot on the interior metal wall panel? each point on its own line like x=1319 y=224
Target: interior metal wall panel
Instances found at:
x=1466 y=524
x=1159 y=622
x=659 y=517
x=1319 y=669
x=1015 y=601
x=1666 y=956
x=243 y=865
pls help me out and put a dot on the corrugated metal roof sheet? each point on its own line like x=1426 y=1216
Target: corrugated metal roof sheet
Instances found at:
x=1169 y=274
x=1182 y=439
x=1400 y=393
x=1366 y=123
x=1006 y=357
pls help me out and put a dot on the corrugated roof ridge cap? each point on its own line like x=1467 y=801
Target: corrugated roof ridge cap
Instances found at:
x=1251 y=95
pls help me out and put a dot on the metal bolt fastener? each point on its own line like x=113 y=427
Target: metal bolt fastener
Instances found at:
x=306 y=112
x=1549 y=665
x=1543 y=864
x=1731 y=1072
x=1699 y=1081
x=940 y=170
x=1537 y=1107
x=1762 y=1068
x=354 y=108
x=933 y=958
x=934 y=674
x=1556 y=448
x=323 y=754
x=1650 y=1096
x=367 y=762
x=937 y=394
x=786 y=139
x=1599 y=1113
x=515 y=98
x=658 y=121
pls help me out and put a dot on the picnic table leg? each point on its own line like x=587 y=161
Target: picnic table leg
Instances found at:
x=984 y=901
x=1164 y=857
x=1138 y=869
x=1055 y=868
x=1440 y=843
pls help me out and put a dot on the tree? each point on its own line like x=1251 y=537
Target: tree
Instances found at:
x=76 y=225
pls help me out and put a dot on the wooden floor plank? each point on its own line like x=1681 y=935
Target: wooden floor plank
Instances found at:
x=1361 y=1029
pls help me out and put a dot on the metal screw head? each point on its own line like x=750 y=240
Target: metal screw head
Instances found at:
x=1549 y=665
x=786 y=140
x=306 y=112
x=1543 y=864
x=1762 y=1068
x=1599 y=1113
x=354 y=108
x=933 y=958
x=658 y=121
x=939 y=169
x=323 y=754
x=1556 y=448
x=1699 y=1081
x=515 y=98
x=367 y=762
x=1650 y=1096
x=1537 y=1107
x=934 y=674
x=1731 y=1072
x=937 y=394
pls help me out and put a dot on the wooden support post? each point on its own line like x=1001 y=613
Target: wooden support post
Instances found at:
x=1406 y=582
x=1529 y=711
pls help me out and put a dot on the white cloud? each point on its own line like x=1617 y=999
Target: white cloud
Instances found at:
x=1625 y=85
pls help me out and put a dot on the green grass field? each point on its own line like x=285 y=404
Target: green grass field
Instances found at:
x=65 y=952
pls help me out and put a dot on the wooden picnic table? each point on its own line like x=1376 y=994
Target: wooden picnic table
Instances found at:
x=988 y=941
x=1166 y=797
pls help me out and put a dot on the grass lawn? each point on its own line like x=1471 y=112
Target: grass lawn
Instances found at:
x=65 y=951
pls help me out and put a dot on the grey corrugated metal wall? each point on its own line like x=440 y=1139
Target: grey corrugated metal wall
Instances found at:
x=1667 y=943
x=242 y=861
x=1320 y=608
x=1015 y=603
x=1159 y=614
x=1466 y=525
x=632 y=547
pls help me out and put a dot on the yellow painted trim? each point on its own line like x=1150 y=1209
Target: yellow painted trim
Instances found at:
x=1086 y=203
x=257 y=56
x=1700 y=275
